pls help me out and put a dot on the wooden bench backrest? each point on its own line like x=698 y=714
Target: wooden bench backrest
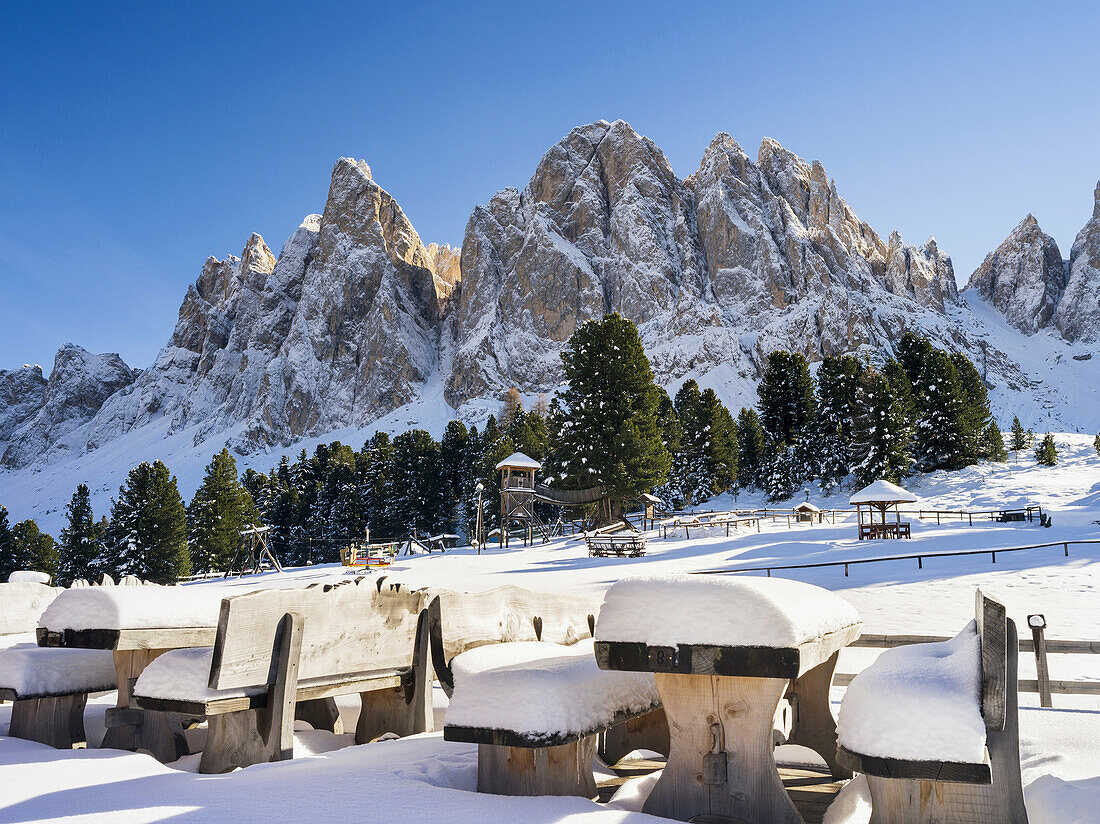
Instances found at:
x=992 y=620
x=510 y=613
x=22 y=604
x=347 y=628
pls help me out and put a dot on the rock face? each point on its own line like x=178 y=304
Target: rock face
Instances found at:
x=78 y=385
x=719 y=269
x=1078 y=315
x=1023 y=278
x=21 y=394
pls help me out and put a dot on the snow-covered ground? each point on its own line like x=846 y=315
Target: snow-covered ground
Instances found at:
x=424 y=779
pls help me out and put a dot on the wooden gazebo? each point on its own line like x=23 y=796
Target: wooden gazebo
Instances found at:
x=878 y=499
x=517 y=495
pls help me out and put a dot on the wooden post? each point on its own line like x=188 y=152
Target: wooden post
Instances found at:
x=1038 y=625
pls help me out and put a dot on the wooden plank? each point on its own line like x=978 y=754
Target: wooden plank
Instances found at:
x=347 y=628
x=57 y=721
x=511 y=738
x=992 y=627
x=469 y=620
x=958 y=772
x=706 y=659
x=22 y=604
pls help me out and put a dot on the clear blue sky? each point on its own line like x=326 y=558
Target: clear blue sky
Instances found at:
x=137 y=139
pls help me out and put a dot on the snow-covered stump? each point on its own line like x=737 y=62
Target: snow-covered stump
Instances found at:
x=535 y=710
x=935 y=727
x=725 y=653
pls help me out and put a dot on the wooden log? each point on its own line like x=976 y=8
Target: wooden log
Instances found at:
x=57 y=721
x=642 y=732
x=721 y=761
x=812 y=724
x=562 y=770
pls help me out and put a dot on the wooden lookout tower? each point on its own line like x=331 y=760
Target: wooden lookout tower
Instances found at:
x=517 y=495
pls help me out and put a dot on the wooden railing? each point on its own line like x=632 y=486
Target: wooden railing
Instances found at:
x=919 y=557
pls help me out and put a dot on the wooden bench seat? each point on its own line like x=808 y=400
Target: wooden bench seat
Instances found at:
x=929 y=789
x=49 y=690
x=285 y=654
x=602 y=546
x=535 y=711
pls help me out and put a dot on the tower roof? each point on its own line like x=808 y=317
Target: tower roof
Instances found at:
x=517 y=460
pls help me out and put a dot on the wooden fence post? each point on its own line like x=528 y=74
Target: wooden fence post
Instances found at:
x=1038 y=625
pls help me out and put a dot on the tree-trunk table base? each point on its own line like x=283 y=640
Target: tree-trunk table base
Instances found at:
x=721 y=761
x=129 y=728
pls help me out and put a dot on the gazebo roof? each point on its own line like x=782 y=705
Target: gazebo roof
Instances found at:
x=517 y=460
x=883 y=492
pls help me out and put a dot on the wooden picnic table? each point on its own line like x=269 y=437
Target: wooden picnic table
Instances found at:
x=128 y=727
x=721 y=702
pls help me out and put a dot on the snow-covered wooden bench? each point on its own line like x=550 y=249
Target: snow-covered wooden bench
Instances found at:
x=535 y=709
x=276 y=648
x=462 y=621
x=601 y=546
x=934 y=727
x=49 y=690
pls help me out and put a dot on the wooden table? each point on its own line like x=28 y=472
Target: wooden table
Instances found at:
x=130 y=728
x=721 y=702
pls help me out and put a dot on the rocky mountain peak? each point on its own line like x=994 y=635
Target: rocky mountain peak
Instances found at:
x=1078 y=315
x=1023 y=278
x=79 y=384
x=21 y=393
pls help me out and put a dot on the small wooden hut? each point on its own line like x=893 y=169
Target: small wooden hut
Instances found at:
x=517 y=495
x=807 y=513
x=879 y=499
x=649 y=503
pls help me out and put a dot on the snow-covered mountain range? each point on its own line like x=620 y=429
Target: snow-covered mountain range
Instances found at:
x=357 y=323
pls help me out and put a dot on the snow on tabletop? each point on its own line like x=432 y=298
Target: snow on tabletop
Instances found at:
x=33 y=670
x=666 y=610
x=538 y=688
x=144 y=607
x=918 y=703
x=27 y=576
x=184 y=675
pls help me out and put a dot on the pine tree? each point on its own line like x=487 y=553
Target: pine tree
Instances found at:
x=609 y=433
x=942 y=433
x=689 y=465
x=80 y=540
x=993 y=443
x=1019 y=436
x=751 y=449
x=977 y=417
x=419 y=492
x=1046 y=454
x=219 y=511
x=147 y=536
x=34 y=549
x=7 y=547
x=1096 y=443
x=837 y=384
x=880 y=434
x=512 y=406
x=787 y=403
x=375 y=485
x=671 y=436
x=782 y=481
x=457 y=461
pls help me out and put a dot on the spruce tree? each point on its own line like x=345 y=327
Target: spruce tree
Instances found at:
x=787 y=403
x=457 y=461
x=219 y=511
x=609 y=434
x=782 y=474
x=1096 y=443
x=977 y=417
x=375 y=473
x=671 y=436
x=993 y=443
x=751 y=449
x=689 y=465
x=147 y=536
x=880 y=434
x=942 y=435
x=1045 y=453
x=837 y=384
x=7 y=547
x=418 y=490
x=80 y=540
x=1019 y=436
x=34 y=549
